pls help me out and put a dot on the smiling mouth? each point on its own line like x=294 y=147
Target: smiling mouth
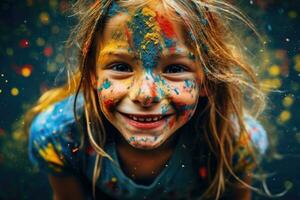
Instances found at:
x=146 y=121
x=145 y=118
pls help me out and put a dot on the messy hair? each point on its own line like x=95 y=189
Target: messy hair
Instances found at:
x=230 y=81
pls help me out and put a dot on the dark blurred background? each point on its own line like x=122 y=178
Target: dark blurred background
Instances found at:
x=32 y=36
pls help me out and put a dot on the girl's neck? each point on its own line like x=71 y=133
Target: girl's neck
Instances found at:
x=144 y=165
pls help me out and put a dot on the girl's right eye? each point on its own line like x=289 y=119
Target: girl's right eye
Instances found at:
x=121 y=67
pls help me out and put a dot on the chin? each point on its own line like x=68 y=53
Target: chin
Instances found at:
x=145 y=142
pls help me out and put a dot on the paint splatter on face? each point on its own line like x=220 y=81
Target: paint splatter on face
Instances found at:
x=148 y=79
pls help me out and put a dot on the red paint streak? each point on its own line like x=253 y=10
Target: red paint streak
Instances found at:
x=172 y=49
x=128 y=35
x=109 y=104
x=153 y=91
x=172 y=122
x=202 y=172
x=165 y=25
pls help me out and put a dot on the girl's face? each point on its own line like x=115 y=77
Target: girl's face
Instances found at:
x=147 y=78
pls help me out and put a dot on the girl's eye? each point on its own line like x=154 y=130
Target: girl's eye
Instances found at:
x=175 y=69
x=121 y=67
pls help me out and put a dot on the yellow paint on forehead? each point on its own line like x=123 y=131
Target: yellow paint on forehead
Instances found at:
x=156 y=34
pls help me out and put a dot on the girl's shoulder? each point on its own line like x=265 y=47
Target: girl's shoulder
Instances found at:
x=54 y=137
x=250 y=146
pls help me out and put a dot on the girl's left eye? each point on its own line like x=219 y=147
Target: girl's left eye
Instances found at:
x=174 y=69
x=121 y=67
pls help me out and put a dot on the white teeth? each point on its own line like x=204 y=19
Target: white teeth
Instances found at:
x=148 y=119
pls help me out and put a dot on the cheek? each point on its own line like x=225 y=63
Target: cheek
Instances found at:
x=184 y=97
x=110 y=92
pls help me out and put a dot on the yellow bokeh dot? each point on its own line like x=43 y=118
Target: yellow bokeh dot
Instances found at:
x=9 y=51
x=276 y=83
x=17 y=135
x=14 y=91
x=288 y=184
x=53 y=3
x=26 y=72
x=297 y=66
x=274 y=70
x=284 y=116
x=51 y=67
x=292 y=14
x=55 y=29
x=288 y=101
x=0 y=91
x=40 y=42
x=44 y=18
x=59 y=58
x=297 y=58
x=114 y=179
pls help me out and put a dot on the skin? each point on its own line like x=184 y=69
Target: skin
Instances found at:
x=135 y=75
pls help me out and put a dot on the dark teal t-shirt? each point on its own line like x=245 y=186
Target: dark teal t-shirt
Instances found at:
x=54 y=147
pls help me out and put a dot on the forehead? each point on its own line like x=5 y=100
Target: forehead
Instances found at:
x=150 y=22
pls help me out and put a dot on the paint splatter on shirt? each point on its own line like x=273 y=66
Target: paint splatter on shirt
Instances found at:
x=54 y=148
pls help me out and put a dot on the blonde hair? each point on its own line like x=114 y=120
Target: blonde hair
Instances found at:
x=230 y=82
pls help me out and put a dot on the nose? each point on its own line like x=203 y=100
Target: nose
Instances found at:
x=145 y=91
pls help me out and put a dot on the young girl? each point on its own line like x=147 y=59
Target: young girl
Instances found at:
x=160 y=96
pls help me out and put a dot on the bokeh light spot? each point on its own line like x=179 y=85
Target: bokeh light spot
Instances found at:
x=288 y=101
x=51 y=67
x=24 y=43
x=14 y=91
x=26 y=70
x=40 y=42
x=44 y=18
x=48 y=51
x=284 y=116
x=55 y=29
x=274 y=70
x=59 y=58
x=9 y=51
x=292 y=14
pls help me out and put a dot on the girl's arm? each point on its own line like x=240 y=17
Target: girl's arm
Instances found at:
x=65 y=188
x=238 y=191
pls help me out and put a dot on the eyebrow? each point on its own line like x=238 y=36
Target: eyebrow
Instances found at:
x=118 y=53
x=181 y=53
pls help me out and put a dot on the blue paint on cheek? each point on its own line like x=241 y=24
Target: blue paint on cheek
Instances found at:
x=176 y=91
x=188 y=83
x=105 y=85
x=164 y=109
